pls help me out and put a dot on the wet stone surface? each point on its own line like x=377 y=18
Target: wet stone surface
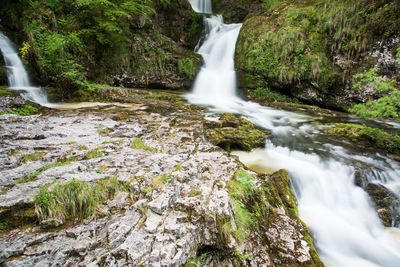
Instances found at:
x=156 y=222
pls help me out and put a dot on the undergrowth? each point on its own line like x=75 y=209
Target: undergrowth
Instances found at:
x=387 y=106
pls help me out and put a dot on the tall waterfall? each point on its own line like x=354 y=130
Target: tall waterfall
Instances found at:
x=345 y=227
x=17 y=76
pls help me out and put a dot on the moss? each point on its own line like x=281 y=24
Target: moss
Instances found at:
x=158 y=181
x=139 y=144
x=32 y=157
x=264 y=94
x=234 y=133
x=248 y=205
x=367 y=136
x=295 y=44
x=33 y=175
x=281 y=180
x=188 y=66
x=95 y=153
x=194 y=192
x=16 y=217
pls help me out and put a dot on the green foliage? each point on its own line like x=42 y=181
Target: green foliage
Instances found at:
x=398 y=55
x=294 y=41
x=73 y=199
x=187 y=67
x=387 y=106
x=262 y=94
x=371 y=137
x=26 y=110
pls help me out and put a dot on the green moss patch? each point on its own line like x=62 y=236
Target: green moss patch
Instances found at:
x=233 y=133
x=33 y=175
x=32 y=157
x=370 y=137
x=139 y=144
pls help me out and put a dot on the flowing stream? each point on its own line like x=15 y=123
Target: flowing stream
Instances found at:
x=340 y=215
x=17 y=76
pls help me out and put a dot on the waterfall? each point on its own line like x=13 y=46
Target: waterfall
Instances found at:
x=17 y=76
x=201 y=6
x=340 y=216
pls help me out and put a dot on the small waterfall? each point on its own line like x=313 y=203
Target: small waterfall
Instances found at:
x=340 y=216
x=216 y=81
x=201 y=6
x=17 y=76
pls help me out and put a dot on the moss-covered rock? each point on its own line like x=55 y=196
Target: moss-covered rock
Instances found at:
x=231 y=132
x=311 y=49
x=385 y=201
x=257 y=208
x=367 y=136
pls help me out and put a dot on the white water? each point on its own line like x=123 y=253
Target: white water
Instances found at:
x=345 y=227
x=201 y=6
x=17 y=76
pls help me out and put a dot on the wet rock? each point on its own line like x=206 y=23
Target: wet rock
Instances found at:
x=231 y=132
x=175 y=192
x=386 y=203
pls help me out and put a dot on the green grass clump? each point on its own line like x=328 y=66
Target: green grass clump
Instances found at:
x=74 y=199
x=26 y=110
x=139 y=144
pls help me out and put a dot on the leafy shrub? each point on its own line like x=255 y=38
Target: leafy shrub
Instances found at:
x=387 y=106
x=26 y=110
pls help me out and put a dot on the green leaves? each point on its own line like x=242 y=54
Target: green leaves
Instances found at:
x=387 y=106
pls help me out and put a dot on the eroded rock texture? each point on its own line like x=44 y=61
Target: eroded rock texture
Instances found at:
x=171 y=212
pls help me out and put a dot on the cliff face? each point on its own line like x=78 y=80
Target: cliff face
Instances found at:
x=71 y=44
x=312 y=49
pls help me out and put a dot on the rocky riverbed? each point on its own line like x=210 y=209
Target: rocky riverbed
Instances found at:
x=184 y=199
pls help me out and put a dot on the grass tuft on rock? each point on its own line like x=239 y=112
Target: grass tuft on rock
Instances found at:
x=74 y=199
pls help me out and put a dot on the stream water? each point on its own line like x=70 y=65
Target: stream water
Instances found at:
x=339 y=214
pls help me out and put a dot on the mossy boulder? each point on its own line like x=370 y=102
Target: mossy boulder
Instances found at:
x=385 y=202
x=231 y=132
x=311 y=49
x=367 y=136
x=261 y=203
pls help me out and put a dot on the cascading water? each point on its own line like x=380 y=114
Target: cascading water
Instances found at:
x=17 y=76
x=345 y=227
